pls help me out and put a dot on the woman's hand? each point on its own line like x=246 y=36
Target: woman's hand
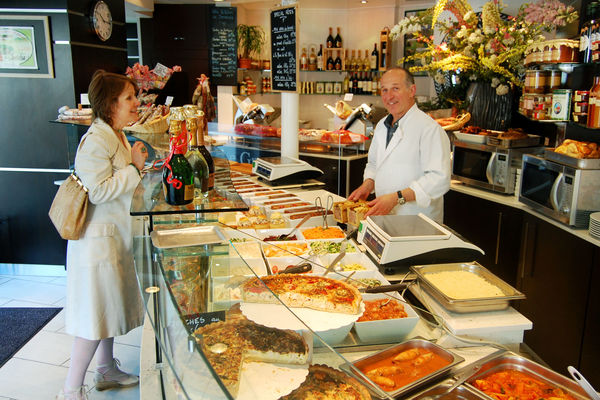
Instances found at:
x=139 y=153
x=363 y=191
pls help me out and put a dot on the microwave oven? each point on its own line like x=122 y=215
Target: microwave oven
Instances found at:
x=488 y=167
x=561 y=192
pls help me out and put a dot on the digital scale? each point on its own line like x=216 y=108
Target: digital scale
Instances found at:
x=284 y=170
x=399 y=241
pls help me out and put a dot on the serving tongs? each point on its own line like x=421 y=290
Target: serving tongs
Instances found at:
x=394 y=287
x=284 y=237
x=329 y=204
x=339 y=257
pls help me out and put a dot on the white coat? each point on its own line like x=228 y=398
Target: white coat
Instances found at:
x=417 y=157
x=103 y=298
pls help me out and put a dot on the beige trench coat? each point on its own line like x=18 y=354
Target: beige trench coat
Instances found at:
x=103 y=298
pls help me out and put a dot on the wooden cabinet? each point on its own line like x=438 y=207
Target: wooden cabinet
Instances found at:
x=491 y=226
x=555 y=269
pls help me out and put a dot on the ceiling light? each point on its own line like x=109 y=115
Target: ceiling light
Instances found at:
x=364 y=1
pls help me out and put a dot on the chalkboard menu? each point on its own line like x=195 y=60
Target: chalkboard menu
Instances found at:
x=195 y=321
x=223 y=46
x=283 y=49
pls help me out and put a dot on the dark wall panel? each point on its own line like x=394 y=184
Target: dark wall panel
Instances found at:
x=86 y=60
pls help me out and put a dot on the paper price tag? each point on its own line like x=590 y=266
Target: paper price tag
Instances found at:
x=161 y=70
x=169 y=100
x=348 y=96
x=84 y=99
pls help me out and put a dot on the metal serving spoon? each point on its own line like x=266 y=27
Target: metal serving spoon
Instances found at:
x=589 y=389
x=283 y=237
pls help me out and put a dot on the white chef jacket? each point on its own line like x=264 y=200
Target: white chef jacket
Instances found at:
x=417 y=157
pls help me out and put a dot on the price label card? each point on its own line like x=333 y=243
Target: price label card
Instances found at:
x=161 y=70
x=169 y=100
x=348 y=96
x=84 y=99
x=195 y=321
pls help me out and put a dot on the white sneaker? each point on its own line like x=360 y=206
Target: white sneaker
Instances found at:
x=78 y=394
x=113 y=377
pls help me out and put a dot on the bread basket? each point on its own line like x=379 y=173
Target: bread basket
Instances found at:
x=153 y=132
x=460 y=122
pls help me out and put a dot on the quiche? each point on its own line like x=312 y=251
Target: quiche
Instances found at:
x=325 y=383
x=314 y=292
x=228 y=344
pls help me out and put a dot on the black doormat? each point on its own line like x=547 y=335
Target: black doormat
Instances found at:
x=18 y=325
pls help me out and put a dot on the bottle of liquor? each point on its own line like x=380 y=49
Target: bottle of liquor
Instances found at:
x=369 y=84
x=383 y=61
x=593 y=120
x=338 y=62
x=195 y=158
x=178 y=177
x=320 y=59
x=367 y=61
x=351 y=64
x=330 y=62
x=329 y=40
x=374 y=58
x=374 y=84
x=359 y=83
x=312 y=60
x=303 y=60
x=346 y=84
x=354 y=83
x=337 y=42
x=585 y=37
x=359 y=61
x=206 y=154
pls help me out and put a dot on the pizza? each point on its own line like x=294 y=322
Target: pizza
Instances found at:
x=314 y=292
x=228 y=344
x=325 y=383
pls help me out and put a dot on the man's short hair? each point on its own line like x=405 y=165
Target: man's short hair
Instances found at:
x=409 y=78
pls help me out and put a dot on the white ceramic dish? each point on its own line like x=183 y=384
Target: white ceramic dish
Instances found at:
x=280 y=249
x=245 y=250
x=471 y=138
x=350 y=258
x=303 y=228
x=264 y=233
x=387 y=330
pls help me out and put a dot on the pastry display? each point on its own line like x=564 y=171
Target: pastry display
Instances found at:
x=314 y=292
x=577 y=149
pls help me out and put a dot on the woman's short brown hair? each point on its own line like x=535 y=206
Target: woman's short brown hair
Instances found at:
x=104 y=91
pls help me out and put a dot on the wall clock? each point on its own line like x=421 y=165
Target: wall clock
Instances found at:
x=102 y=20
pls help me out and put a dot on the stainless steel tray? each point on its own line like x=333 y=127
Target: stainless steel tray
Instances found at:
x=467 y=305
x=531 y=140
x=354 y=370
x=581 y=163
x=462 y=392
x=195 y=236
x=510 y=360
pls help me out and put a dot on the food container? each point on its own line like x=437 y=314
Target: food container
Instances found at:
x=580 y=107
x=350 y=259
x=509 y=360
x=265 y=234
x=477 y=304
x=581 y=95
x=470 y=138
x=547 y=57
x=536 y=81
x=285 y=249
x=561 y=104
x=386 y=330
x=363 y=363
x=278 y=264
x=462 y=392
x=565 y=51
x=195 y=236
x=554 y=80
x=580 y=118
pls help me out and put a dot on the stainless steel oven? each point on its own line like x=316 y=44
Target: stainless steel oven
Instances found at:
x=561 y=192
x=486 y=166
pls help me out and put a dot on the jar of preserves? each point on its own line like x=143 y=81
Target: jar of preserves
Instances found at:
x=547 y=57
x=580 y=107
x=536 y=81
x=581 y=95
x=554 y=79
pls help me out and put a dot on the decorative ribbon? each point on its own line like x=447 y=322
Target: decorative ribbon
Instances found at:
x=177 y=144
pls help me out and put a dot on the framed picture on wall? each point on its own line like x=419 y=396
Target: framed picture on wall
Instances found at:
x=25 y=47
x=412 y=47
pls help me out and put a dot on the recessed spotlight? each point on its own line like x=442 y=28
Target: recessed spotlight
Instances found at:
x=364 y=1
x=218 y=1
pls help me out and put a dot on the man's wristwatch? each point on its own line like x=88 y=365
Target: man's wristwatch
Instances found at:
x=401 y=199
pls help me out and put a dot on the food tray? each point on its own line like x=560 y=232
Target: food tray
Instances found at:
x=470 y=137
x=410 y=344
x=581 y=163
x=531 y=140
x=198 y=235
x=509 y=360
x=467 y=305
x=462 y=392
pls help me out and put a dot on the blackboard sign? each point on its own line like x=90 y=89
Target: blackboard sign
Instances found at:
x=195 y=321
x=284 y=49
x=223 y=46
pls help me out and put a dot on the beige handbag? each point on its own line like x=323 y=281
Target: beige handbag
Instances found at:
x=69 y=208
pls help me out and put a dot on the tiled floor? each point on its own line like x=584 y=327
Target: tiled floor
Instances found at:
x=38 y=370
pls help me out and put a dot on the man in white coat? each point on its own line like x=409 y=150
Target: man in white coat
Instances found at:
x=409 y=159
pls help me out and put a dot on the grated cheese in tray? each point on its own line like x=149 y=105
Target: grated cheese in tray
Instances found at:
x=463 y=285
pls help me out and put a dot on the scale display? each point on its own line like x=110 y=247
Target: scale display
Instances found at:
x=263 y=171
x=374 y=243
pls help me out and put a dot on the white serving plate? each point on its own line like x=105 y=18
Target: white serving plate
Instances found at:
x=471 y=138
x=303 y=228
x=282 y=379
x=350 y=258
x=282 y=246
x=387 y=330
x=264 y=233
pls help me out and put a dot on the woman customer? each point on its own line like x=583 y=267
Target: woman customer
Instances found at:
x=103 y=299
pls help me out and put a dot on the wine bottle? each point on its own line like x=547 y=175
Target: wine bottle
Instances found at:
x=338 y=39
x=374 y=58
x=303 y=60
x=354 y=83
x=329 y=40
x=367 y=61
x=312 y=60
x=320 y=58
x=330 y=63
x=338 y=62
x=383 y=61
x=178 y=177
x=196 y=160
x=346 y=84
x=374 y=84
x=359 y=62
x=351 y=64
x=208 y=158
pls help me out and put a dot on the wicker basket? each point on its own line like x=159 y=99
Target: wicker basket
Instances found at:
x=460 y=122
x=154 y=133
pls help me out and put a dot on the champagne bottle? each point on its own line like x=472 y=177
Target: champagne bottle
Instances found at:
x=338 y=39
x=338 y=62
x=320 y=59
x=178 y=177
x=208 y=158
x=330 y=40
x=374 y=58
x=196 y=160
x=330 y=63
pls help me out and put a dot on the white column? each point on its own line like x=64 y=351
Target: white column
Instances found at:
x=289 y=124
x=225 y=105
